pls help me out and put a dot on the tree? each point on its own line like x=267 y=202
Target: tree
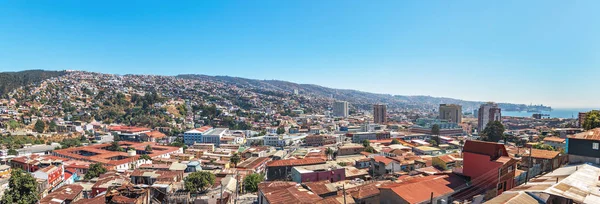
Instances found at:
x=12 y=152
x=115 y=146
x=592 y=120
x=329 y=151
x=433 y=143
x=342 y=163
x=370 y=149
x=145 y=157
x=40 y=126
x=52 y=126
x=83 y=138
x=494 y=131
x=543 y=146
x=251 y=182
x=435 y=129
x=366 y=143
x=235 y=159
x=22 y=188
x=95 y=170
x=13 y=124
x=199 y=181
x=280 y=130
x=436 y=140
x=395 y=141
x=148 y=148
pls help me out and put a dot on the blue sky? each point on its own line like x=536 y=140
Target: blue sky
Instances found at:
x=510 y=51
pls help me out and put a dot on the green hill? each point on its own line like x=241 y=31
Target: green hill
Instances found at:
x=12 y=80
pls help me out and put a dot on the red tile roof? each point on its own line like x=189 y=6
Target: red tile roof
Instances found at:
x=419 y=190
x=382 y=159
x=204 y=128
x=104 y=156
x=128 y=129
x=155 y=134
x=295 y=162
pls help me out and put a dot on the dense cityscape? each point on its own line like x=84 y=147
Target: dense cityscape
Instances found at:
x=83 y=137
x=299 y=102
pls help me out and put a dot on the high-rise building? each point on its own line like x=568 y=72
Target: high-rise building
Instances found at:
x=580 y=118
x=380 y=113
x=451 y=112
x=340 y=109
x=487 y=113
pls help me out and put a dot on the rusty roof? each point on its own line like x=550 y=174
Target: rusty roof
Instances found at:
x=593 y=134
x=513 y=198
x=155 y=134
x=252 y=163
x=382 y=159
x=128 y=129
x=544 y=154
x=554 y=139
x=292 y=194
x=64 y=193
x=447 y=158
x=267 y=187
x=109 y=178
x=97 y=200
x=419 y=190
x=338 y=199
x=319 y=187
x=364 y=191
x=295 y=162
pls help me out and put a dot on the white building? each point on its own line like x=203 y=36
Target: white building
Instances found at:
x=340 y=109
x=214 y=136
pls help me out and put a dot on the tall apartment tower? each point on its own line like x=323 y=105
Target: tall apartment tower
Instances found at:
x=380 y=113
x=451 y=112
x=487 y=113
x=340 y=109
x=580 y=118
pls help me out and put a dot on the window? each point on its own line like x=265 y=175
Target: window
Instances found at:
x=595 y=145
x=510 y=169
x=499 y=186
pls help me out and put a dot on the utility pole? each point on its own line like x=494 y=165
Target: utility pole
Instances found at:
x=431 y=199
x=530 y=164
x=344 y=190
x=221 y=201
x=237 y=177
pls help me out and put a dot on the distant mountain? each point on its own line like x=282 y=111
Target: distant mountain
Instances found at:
x=359 y=99
x=12 y=80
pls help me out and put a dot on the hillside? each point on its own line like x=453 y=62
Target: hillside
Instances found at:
x=12 y=80
x=360 y=99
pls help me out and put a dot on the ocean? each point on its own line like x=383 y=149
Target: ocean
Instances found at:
x=555 y=113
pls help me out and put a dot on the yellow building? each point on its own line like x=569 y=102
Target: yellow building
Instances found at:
x=5 y=170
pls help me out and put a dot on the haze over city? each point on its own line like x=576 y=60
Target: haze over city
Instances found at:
x=540 y=52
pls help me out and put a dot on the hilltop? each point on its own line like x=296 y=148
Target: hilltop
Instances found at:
x=360 y=99
x=12 y=80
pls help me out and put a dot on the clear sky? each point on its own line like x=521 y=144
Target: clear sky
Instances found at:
x=506 y=51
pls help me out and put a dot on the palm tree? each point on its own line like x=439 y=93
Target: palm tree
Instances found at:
x=329 y=152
